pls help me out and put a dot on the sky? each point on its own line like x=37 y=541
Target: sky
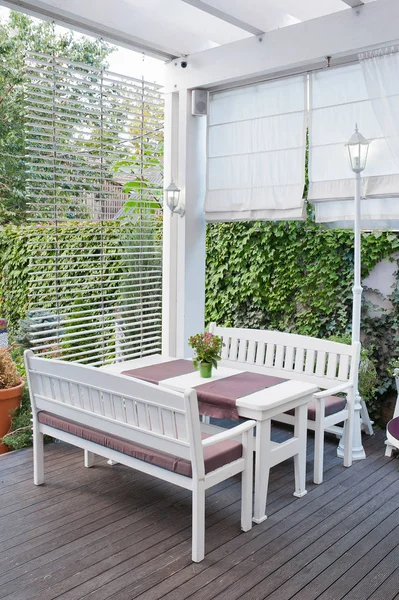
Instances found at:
x=122 y=61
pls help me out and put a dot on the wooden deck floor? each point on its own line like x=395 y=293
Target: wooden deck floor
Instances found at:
x=110 y=533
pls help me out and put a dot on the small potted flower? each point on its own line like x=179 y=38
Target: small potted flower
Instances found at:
x=207 y=348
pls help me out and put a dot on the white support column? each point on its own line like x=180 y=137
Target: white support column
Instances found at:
x=184 y=237
x=170 y=223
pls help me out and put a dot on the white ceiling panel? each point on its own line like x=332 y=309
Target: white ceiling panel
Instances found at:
x=305 y=10
x=169 y=28
x=165 y=28
x=259 y=14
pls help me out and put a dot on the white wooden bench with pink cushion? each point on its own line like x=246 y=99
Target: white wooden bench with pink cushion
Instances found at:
x=139 y=425
x=329 y=365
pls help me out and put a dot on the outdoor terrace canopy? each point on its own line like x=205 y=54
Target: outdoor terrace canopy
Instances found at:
x=216 y=45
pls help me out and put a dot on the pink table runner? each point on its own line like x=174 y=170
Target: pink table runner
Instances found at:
x=215 y=398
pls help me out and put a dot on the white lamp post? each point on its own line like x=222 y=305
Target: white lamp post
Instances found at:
x=172 y=198
x=358 y=148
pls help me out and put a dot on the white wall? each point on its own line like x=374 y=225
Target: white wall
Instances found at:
x=381 y=278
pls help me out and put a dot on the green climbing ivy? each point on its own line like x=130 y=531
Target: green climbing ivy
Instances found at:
x=298 y=277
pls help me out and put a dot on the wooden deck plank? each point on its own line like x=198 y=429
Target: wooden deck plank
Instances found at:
x=150 y=567
x=110 y=533
x=245 y=558
x=236 y=531
x=387 y=590
x=291 y=506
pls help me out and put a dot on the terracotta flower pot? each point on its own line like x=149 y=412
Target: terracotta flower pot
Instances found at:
x=9 y=400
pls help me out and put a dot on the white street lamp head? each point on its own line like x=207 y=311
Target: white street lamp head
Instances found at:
x=358 y=148
x=172 y=197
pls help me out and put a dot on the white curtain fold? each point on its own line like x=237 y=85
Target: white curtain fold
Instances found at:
x=256 y=152
x=376 y=213
x=381 y=74
x=339 y=98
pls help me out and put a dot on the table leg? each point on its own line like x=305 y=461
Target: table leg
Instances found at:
x=300 y=432
x=262 y=469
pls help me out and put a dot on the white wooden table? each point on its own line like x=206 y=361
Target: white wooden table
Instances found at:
x=261 y=406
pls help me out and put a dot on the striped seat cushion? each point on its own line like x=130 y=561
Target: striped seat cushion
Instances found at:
x=215 y=456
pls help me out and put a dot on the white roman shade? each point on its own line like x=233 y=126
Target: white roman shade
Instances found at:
x=376 y=213
x=339 y=99
x=381 y=74
x=256 y=152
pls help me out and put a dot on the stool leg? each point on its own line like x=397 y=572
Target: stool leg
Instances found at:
x=388 y=450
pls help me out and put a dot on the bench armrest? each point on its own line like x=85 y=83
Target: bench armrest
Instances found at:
x=334 y=390
x=229 y=433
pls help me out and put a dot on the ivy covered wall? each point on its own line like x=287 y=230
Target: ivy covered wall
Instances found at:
x=298 y=277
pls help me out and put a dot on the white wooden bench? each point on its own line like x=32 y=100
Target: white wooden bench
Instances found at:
x=331 y=366
x=139 y=425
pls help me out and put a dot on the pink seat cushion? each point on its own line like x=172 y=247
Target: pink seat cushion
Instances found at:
x=215 y=456
x=334 y=404
x=393 y=428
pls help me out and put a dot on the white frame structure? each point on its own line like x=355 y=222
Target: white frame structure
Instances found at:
x=297 y=48
x=330 y=40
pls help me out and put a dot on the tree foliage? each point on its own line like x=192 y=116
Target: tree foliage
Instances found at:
x=20 y=35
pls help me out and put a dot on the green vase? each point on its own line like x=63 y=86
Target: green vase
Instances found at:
x=205 y=370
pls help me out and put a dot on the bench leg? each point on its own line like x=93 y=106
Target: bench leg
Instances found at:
x=247 y=481
x=89 y=458
x=198 y=519
x=262 y=469
x=38 y=456
x=318 y=466
x=300 y=432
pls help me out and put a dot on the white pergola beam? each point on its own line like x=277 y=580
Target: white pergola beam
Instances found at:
x=301 y=46
x=224 y=16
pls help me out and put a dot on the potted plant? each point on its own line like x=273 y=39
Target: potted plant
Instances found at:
x=207 y=348
x=368 y=376
x=11 y=386
x=393 y=370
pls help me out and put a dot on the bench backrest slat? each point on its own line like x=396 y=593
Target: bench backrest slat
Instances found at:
x=288 y=355
x=134 y=410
